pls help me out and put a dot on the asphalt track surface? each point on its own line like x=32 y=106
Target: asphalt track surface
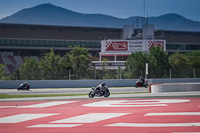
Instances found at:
x=130 y=113
x=70 y=91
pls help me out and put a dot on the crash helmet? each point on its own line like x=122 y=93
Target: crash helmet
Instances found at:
x=103 y=84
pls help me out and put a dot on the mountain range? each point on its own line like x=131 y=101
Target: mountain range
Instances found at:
x=48 y=14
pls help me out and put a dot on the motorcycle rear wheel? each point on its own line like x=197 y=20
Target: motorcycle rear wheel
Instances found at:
x=146 y=85
x=90 y=95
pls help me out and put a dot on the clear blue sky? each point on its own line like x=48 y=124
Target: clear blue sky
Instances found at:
x=117 y=8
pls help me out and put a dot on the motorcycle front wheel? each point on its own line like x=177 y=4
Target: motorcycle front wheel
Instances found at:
x=90 y=95
x=107 y=94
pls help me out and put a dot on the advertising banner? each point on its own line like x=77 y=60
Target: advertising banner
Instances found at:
x=153 y=43
x=137 y=45
x=121 y=45
x=131 y=45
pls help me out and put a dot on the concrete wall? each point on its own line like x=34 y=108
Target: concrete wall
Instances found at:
x=182 y=87
x=178 y=80
x=87 y=83
x=67 y=83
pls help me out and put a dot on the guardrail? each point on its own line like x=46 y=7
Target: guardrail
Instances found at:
x=87 y=83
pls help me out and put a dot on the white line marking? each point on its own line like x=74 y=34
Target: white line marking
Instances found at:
x=154 y=124
x=120 y=103
x=175 y=113
x=135 y=103
x=56 y=125
x=23 y=117
x=48 y=104
x=41 y=105
x=90 y=118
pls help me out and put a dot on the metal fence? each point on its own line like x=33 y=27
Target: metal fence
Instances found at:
x=123 y=74
x=116 y=74
x=152 y=74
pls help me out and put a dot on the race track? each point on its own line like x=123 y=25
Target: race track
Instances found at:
x=70 y=91
x=119 y=115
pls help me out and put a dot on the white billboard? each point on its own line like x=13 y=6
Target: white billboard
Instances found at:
x=131 y=45
x=128 y=31
x=136 y=45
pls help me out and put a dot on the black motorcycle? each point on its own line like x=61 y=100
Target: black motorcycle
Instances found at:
x=99 y=92
x=24 y=87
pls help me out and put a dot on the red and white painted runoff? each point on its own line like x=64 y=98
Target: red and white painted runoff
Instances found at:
x=135 y=115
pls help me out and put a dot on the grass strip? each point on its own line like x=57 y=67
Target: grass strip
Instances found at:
x=5 y=96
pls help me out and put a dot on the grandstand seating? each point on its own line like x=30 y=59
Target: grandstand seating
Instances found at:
x=1 y=60
x=11 y=58
x=10 y=68
x=35 y=57
x=12 y=62
x=18 y=59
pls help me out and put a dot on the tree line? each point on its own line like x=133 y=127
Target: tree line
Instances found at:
x=160 y=63
x=76 y=64
x=54 y=67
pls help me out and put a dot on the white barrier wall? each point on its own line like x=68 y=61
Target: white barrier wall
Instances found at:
x=182 y=87
x=67 y=83
x=87 y=83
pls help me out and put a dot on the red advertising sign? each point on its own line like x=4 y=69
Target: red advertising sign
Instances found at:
x=116 y=46
x=156 y=43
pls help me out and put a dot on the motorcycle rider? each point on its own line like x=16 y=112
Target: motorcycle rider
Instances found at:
x=141 y=80
x=100 y=90
x=23 y=85
x=100 y=87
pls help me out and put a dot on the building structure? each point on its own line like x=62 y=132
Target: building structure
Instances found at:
x=20 y=40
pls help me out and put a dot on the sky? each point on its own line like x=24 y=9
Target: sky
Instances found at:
x=117 y=8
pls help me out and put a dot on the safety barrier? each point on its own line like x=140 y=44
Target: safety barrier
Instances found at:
x=175 y=87
x=88 y=83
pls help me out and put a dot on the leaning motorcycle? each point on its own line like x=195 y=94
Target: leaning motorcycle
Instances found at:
x=139 y=84
x=27 y=87
x=99 y=93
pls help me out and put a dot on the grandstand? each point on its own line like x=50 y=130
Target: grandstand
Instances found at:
x=18 y=41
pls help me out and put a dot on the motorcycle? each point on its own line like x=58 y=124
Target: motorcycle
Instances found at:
x=99 y=92
x=23 y=87
x=139 y=84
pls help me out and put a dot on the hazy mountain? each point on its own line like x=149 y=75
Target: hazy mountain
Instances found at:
x=48 y=14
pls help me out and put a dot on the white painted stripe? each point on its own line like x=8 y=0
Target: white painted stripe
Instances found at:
x=23 y=117
x=175 y=113
x=48 y=104
x=135 y=103
x=154 y=124
x=55 y=125
x=41 y=105
x=150 y=101
x=122 y=103
x=90 y=118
